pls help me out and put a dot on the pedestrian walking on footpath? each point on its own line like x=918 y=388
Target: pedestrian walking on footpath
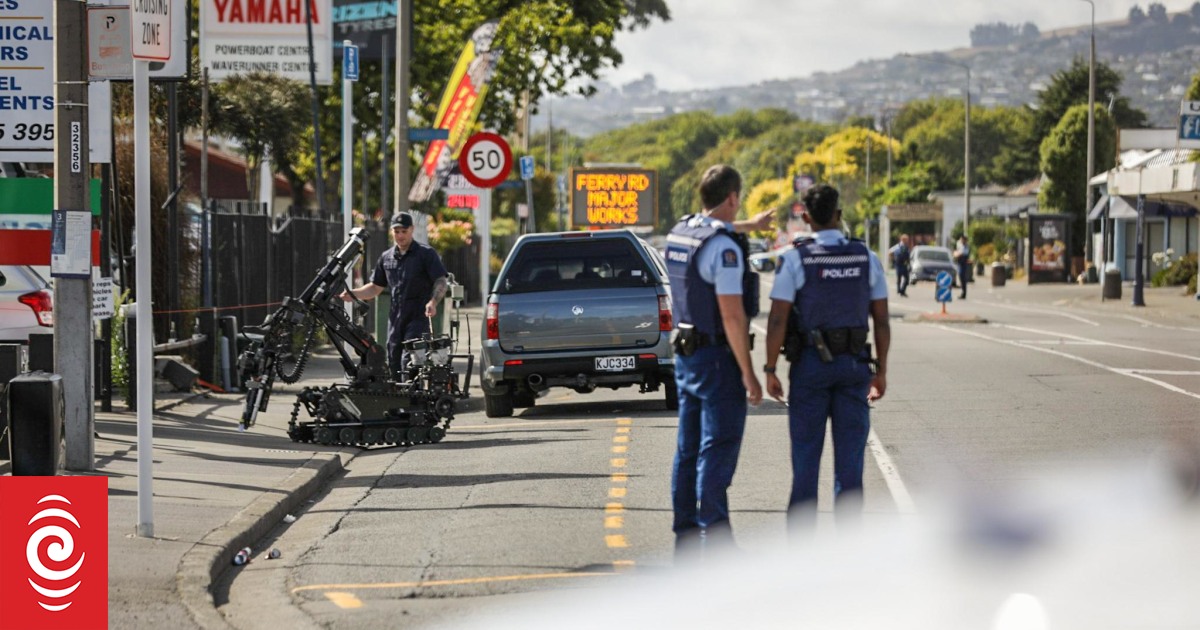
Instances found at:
x=828 y=288
x=713 y=296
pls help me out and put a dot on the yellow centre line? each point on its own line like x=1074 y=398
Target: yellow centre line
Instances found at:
x=459 y=582
x=615 y=541
x=614 y=508
x=344 y=600
x=620 y=449
x=620 y=478
x=618 y=462
x=616 y=493
x=622 y=429
x=511 y=425
x=620 y=439
x=625 y=421
x=614 y=522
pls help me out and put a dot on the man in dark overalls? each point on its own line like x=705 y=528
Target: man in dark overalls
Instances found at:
x=416 y=277
x=825 y=289
x=711 y=290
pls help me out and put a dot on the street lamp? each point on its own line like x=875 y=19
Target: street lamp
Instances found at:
x=966 y=133
x=1091 y=139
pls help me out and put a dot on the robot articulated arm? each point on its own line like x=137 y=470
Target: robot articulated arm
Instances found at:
x=318 y=305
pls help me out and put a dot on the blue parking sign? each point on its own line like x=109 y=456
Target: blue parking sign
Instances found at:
x=350 y=61
x=527 y=165
x=944 y=279
x=943 y=295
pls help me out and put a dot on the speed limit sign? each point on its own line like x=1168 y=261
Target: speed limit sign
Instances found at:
x=485 y=160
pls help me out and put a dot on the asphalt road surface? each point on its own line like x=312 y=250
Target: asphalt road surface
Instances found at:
x=573 y=494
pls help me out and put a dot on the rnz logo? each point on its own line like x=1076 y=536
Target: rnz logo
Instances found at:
x=54 y=550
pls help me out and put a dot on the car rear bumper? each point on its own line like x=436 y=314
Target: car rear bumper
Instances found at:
x=577 y=372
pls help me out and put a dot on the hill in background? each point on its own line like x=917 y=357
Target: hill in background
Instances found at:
x=1155 y=52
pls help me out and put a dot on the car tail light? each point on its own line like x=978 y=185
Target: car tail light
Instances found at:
x=493 y=321
x=664 y=313
x=42 y=307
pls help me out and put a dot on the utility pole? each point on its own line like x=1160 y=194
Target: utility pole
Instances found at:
x=385 y=131
x=73 y=286
x=1091 y=138
x=403 y=51
x=316 y=108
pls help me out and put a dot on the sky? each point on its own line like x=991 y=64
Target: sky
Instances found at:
x=715 y=43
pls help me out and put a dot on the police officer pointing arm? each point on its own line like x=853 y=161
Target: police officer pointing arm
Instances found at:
x=713 y=295
x=416 y=277
x=825 y=290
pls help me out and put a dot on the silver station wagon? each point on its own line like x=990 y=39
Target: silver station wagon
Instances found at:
x=579 y=310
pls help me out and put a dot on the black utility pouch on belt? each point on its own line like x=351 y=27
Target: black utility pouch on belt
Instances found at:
x=686 y=340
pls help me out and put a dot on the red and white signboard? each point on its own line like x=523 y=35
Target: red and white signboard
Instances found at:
x=485 y=160
x=150 y=29
x=244 y=36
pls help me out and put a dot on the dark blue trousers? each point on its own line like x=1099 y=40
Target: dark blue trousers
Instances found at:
x=819 y=391
x=400 y=331
x=712 y=418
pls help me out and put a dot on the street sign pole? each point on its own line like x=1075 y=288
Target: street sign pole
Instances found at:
x=150 y=39
x=73 y=288
x=349 y=76
x=527 y=167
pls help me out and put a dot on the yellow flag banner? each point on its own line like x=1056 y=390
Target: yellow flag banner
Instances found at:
x=458 y=111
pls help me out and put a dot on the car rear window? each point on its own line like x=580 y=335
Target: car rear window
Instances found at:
x=576 y=264
x=933 y=254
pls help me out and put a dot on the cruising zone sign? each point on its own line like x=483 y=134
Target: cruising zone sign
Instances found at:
x=485 y=160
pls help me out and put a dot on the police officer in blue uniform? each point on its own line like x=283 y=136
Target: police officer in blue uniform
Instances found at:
x=825 y=290
x=713 y=295
x=416 y=277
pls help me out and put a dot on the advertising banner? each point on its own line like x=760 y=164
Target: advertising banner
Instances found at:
x=458 y=111
x=26 y=76
x=1049 y=248
x=244 y=36
x=614 y=197
x=364 y=23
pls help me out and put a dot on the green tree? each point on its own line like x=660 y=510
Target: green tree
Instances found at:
x=1193 y=93
x=1069 y=87
x=1064 y=162
x=841 y=159
x=265 y=113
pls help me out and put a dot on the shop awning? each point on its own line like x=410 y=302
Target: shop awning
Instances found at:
x=1126 y=208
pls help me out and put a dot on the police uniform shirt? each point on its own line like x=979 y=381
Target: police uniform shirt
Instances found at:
x=789 y=274
x=720 y=262
x=409 y=276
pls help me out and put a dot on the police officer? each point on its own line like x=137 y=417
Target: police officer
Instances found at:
x=713 y=294
x=416 y=277
x=825 y=289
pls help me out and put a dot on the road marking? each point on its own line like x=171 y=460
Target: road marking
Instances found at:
x=624 y=421
x=1038 y=331
x=618 y=462
x=759 y=329
x=620 y=449
x=620 y=478
x=459 y=582
x=1168 y=372
x=891 y=475
x=620 y=438
x=616 y=493
x=344 y=600
x=624 y=566
x=622 y=429
x=1096 y=364
x=614 y=508
x=1040 y=312
x=614 y=522
x=615 y=541
x=1148 y=323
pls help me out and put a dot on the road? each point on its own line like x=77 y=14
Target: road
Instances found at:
x=574 y=492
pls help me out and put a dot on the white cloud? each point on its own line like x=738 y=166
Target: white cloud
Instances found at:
x=711 y=43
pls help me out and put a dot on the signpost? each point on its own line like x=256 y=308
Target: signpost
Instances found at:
x=349 y=76
x=486 y=160
x=1189 y=121
x=945 y=280
x=527 y=167
x=150 y=40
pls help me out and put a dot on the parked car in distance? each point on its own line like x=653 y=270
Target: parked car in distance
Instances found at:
x=579 y=310
x=928 y=260
x=26 y=304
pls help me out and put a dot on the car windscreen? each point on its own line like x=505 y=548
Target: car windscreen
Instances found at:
x=576 y=264
x=936 y=255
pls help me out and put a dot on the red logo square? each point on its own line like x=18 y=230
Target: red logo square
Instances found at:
x=53 y=553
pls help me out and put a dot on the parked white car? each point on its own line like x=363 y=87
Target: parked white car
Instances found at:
x=26 y=304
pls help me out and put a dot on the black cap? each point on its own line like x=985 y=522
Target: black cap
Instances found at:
x=402 y=219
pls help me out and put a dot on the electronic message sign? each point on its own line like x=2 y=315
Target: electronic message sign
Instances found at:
x=614 y=197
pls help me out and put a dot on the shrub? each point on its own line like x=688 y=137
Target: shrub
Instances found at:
x=1175 y=273
x=445 y=236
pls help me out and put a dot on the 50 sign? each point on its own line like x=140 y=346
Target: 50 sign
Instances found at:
x=27 y=131
x=485 y=160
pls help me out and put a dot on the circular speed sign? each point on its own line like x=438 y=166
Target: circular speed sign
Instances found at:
x=485 y=160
